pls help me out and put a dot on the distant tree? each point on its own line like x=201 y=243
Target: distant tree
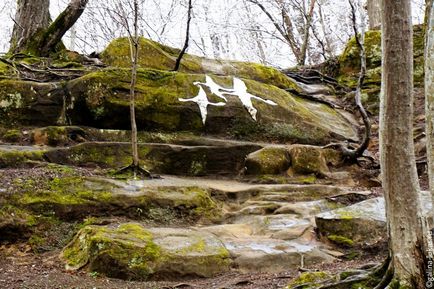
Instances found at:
x=35 y=33
x=298 y=41
x=374 y=13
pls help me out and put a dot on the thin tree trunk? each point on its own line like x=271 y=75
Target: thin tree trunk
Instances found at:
x=398 y=166
x=187 y=37
x=134 y=44
x=306 y=37
x=374 y=14
x=360 y=41
x=429 y=93
x=329 y=49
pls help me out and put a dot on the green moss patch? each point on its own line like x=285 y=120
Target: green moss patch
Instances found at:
x=157 y=56
x=309 y=280
x=130 y=251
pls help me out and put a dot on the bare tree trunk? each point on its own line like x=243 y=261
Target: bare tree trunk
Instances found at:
x=429 y=93
x=33 y=32
x=286 y=30
x=187 y=37
x=305 y=43
x=398 y=166
x=134 y=44
x=329 y=49
x=374 y=14
x=31 y=17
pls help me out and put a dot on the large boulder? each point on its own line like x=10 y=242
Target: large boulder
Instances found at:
x=158 y=56
x=294 y=159
x=130 y=251
x=30 y=103
x=350 y=58
x=349 y=63
x=362 y=224
x=102 y=99
x=306 y=159
x=269 y=160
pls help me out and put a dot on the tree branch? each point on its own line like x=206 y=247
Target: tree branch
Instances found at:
x=187 y=37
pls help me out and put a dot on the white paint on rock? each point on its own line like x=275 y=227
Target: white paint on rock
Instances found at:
x=214 y=87
x=202 y=102
x=239 y=90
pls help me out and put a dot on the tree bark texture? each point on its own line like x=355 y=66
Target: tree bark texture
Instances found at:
x=134 y=44
x=374 y=14
x=33 y=33
x=31 y=17
x=398 y=166
x=429 y=93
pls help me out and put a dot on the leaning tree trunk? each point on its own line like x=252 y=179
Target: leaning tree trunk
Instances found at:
x=33 y=32
x=398 y=166
x=429 y=93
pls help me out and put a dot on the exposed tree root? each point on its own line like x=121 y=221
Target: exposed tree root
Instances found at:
x=352 y=155
x=134 y=171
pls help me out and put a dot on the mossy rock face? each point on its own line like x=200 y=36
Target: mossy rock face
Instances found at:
x=158 y=158
x=15 y=223
x=17 y=157
x=307 y=159
x=30 y=103
x=269 y=160
x=157 y=56
x=350 y=65
x=12 y=135
x=102 y=99
x=5 y=69
x=362 y=225
x=74 y=198
x=130 y=251
x=57 y=135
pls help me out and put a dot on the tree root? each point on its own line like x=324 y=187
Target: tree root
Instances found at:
x=379 y=276
x=135 y=171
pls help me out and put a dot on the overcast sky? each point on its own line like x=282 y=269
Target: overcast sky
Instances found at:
x=233 y=23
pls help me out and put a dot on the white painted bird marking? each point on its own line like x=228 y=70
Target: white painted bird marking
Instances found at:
x=202 y=102
x=240 y=90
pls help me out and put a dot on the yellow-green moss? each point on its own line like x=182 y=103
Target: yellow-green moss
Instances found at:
x=18 y=215
x=341 y=240
x=308 y=280
x=65 y=191
x=19 y=158
x=12 y=135
x=4 y=69
x=350 y=59
x=93 y=241
x=157 y=56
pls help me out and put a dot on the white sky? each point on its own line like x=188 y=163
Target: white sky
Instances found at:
x=225 y=20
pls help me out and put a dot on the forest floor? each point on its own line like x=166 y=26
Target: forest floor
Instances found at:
x=21 y=268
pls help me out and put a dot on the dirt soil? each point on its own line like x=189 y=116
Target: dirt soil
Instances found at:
x=20 y=268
